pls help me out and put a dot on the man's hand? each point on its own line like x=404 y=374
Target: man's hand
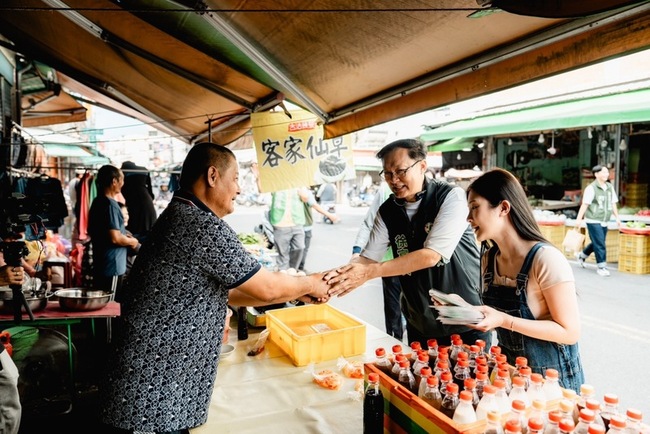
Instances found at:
x=320 y=288
x=347 y=278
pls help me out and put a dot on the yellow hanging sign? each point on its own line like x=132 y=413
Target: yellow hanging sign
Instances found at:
x=291 y=152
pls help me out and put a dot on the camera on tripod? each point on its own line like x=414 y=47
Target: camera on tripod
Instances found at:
x=19 y=212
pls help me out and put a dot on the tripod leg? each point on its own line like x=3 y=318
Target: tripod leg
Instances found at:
x=19 y=302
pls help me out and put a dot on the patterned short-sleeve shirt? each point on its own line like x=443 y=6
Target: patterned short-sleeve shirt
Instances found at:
x=162 y=368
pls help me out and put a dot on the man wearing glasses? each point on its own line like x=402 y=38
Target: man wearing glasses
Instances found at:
x=425 y=224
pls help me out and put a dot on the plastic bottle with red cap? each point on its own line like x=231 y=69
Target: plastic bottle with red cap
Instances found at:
x=518 y=391
x=566 y=425
x=397 y=352
x=594 y=428
x=394 y=372
x=488 y=403
x=501 y=363
x=445 y=378
x=594 y=405
x=535 y=390
x=518 y=411
x=553 y=422
x=373 y=406
x=450 y=401
x=495 y=350
x=551 y=386
x=474 y=352
x=634 y=421
x=421 y=362
x=535 y=425
x=481 y=382
x=585 y=418
x=416 y=346
x=609 y=408
x=431 y=394
x=502 y=397
x=617 y=424
x=381 y=361
x=462 y=372
x=513 y=426
x=480 y=365
x=406 y=377
x=441 y=366
x=462 y=355
x=481 y=347
x=526 y=373
x=456 y=347
x=432 y=349
x=520 y=362
x=504 y=374
x=470 y=386
x=425 y=373
x=464 y=412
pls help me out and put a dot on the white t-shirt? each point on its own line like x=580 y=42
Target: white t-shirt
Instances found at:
x=445 y=233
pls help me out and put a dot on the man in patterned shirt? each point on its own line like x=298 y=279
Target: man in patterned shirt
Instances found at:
x=162 y=366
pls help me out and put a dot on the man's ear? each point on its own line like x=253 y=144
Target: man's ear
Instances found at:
x=212 y=176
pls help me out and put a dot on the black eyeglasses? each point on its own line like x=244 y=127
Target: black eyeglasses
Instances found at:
x=401 y=173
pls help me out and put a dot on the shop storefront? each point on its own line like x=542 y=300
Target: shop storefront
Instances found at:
x=552 y=149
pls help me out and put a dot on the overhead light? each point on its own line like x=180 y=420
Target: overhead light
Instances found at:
x=552 y=149
x=458 y=157
x=604 y=144
x=623 y=145
x=481 y=145
x=589 y=132
x=540 y=139
x=509 y=142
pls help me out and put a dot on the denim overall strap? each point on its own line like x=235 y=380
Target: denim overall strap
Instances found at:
x=488 y=276
x=522 y=277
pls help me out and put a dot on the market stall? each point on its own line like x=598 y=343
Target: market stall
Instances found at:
x=268 y=392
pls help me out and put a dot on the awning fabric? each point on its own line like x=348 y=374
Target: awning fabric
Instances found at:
x=200 y=68
x=453 y=145
x=58 y=150
x=603 y=110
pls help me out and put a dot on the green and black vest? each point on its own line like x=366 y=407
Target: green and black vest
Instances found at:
x=461 y=275
x=601 y=207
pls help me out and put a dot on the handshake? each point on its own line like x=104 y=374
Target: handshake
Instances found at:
x=337 y=282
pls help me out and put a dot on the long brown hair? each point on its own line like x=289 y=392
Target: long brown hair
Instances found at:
x=497 y=185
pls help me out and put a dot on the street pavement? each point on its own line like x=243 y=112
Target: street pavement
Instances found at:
x=615 y=324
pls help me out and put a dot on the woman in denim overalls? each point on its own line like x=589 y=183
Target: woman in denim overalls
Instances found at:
x=529 y=290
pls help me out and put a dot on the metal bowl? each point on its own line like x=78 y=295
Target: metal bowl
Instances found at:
x=35 y=303
x=82 y=299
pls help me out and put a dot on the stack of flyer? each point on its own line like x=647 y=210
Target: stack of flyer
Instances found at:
x=453 y=309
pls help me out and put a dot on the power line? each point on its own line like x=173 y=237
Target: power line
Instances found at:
x=238 y=11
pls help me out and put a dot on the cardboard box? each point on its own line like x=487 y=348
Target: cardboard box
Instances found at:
x=316 y=332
